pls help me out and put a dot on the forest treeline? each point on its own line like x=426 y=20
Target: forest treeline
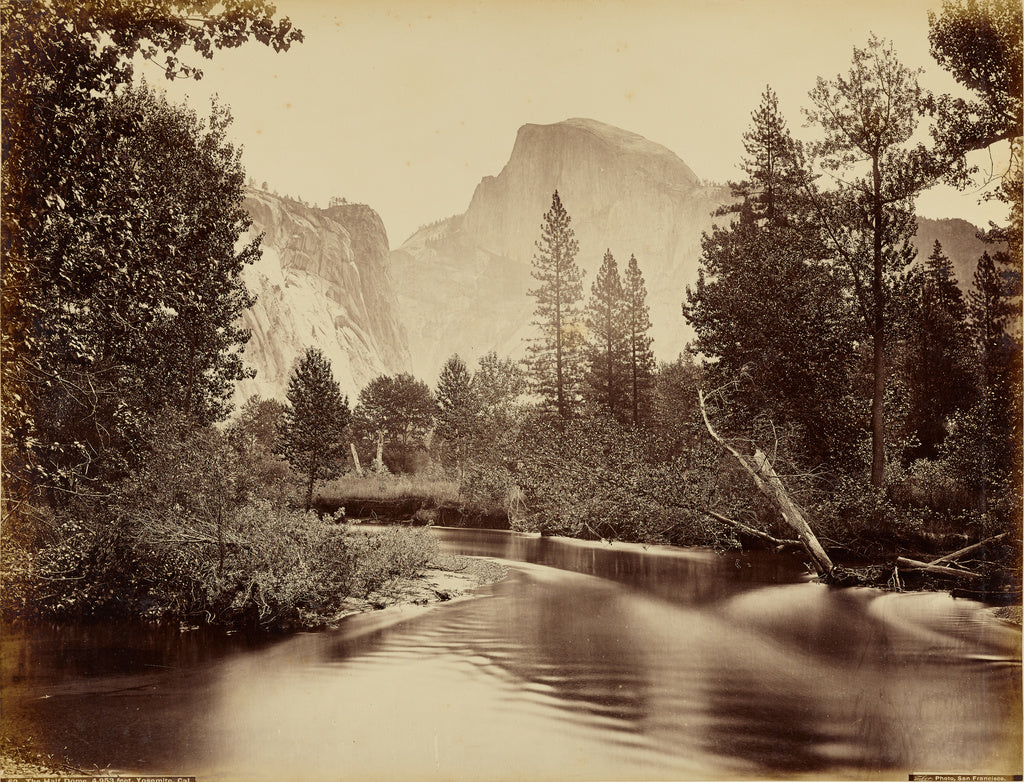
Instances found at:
x=887 y=399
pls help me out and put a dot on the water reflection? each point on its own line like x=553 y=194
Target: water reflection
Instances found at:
x=669 y=665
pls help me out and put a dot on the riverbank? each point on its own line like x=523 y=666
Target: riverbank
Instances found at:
x=446 y=577
x=19 y=761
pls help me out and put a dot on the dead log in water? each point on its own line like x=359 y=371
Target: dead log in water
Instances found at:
x=939 y=570
x=960 y=553
x=751 y=531
x=768 y=482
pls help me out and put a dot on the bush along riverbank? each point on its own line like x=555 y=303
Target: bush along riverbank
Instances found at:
x=269 y=569
x=206 y=532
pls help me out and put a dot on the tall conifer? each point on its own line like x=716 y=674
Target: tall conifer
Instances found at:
x=314 y=419
x=608 y=347
x=638 y=324
x=553 y=362
x=941 y=374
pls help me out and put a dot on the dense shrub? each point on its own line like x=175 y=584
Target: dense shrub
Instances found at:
x=191 y=537
x=593 y=478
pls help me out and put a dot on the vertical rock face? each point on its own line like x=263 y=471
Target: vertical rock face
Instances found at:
x=323 y=281
x=463 y=283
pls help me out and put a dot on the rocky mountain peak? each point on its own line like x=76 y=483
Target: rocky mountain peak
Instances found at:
x=623 y=193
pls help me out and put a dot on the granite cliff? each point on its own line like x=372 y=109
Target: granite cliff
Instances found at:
x=462 y=282
x=323 y=281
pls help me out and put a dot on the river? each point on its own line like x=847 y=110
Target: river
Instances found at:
x=589 y=662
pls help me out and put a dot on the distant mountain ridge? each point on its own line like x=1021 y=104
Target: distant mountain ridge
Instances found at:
x=460 y=285
x=960 y=243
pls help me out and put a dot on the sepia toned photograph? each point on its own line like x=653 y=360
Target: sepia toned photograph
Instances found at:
x=492 y=391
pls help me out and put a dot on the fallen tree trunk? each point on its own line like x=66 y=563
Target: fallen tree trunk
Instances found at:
x=967 y=550
x=913 y=564
x=751 y=531
x=768 y=482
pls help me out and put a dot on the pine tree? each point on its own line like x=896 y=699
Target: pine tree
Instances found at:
x=638 y=324
x=869 y=117
x=314 y=419
x=773 y=163
x=941 y=377
x=983 y=446
x=768 y=310
x=456 y=408
x=607 y=348
x=988 y=310
x=554 y=358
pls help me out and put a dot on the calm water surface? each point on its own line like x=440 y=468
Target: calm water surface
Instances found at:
x=590 y=662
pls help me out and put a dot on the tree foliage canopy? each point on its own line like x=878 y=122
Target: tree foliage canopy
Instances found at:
x=868 y=117
x=400 y=409
x=314 y=419
x=980 y=43
x=638 y=326
x=120 y=217
x=607 y=349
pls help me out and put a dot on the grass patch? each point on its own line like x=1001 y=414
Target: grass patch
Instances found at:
x=391 y=487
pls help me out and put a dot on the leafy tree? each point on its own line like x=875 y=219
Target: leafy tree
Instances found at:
x=942 y=379
x=456 y=409
x=93 y=211
x=144 y=294
x=255 y=436
x=868 y=118
x=674 y=412
x=498 y=382
x=979 y=42
x=314 y=419
x=638 y=324
x=494 y=448
x=554 y=357
x=607 y=346
x=398 y=411
x=258 y=425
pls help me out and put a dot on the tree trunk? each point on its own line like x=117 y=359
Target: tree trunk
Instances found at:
x=913 y=564
x=969 y=549
x=767 y=481
x=878 y=296
x=355 y=459
x=309 y=486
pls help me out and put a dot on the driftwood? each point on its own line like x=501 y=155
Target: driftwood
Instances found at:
x=767 y=481
x=967 y=550
x=751 y=531
x=940 y=570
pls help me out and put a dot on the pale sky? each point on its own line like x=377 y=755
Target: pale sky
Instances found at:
x=406 y=105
